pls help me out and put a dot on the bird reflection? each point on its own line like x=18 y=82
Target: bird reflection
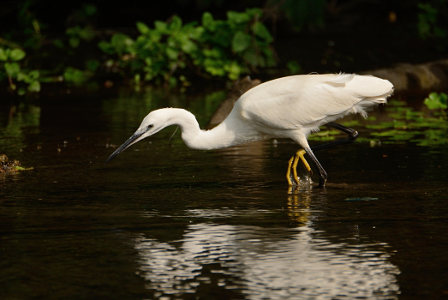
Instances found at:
x=266 y=262
x=298 y=201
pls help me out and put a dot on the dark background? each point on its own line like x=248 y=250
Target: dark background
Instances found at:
x=320 y=35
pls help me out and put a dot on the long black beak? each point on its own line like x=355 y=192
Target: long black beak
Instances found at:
x=124 y=146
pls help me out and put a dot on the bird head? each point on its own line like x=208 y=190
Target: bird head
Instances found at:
x=151 y=124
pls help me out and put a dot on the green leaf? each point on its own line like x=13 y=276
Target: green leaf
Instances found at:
x=234 y=70
x=293 y=67
x=171 y=53
x=75 y=76
x=240 y=41
x=87 y=33
x=436 y=101
x=17 y=54
x=74 y=42
x=237 y=17
x=21 y=76
x=106 y=47
x=34 y=86
x=208 y=22
x=121 y=43
x=21 y=91
x=143 y=28
x=12 y=69
x=34 y=75
x=92 y=65
x=3 y=54
x=160 y=26
x=175 y=24
x=262 y=32
x=188 y=46
x=89 y=9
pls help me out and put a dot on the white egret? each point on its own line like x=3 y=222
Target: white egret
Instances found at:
x=288 y=107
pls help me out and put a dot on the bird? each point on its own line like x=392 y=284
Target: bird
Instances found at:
x=290 y=107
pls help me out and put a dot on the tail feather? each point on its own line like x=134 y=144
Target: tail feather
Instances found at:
x=371 y=88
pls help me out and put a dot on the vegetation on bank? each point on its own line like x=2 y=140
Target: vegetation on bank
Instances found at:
x=171 y=52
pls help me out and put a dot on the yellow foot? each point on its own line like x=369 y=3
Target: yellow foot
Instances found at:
x=292 y=165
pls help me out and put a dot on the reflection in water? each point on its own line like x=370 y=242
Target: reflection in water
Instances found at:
x=15 y=123
x=267 y=263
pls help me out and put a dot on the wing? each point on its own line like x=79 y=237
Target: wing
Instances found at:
x=310 y=100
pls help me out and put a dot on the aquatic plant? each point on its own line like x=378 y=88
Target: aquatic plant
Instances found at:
x=8 y=167
x=400 y=124
x=436 y=101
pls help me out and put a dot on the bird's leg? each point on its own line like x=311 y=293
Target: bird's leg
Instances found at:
x=299 y=157
x=288 y=171
x=292 y=165
x=351 y=136
x=322 y=173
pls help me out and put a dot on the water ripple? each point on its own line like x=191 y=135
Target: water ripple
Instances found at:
x=266 y=263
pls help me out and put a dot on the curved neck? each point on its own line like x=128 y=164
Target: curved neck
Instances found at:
x=224 y=135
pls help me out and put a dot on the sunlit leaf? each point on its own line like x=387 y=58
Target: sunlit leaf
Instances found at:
x=208 y=21
x=436 y=101
x=17 y=54
x=3 y=54
x=34 y=86
x=237 y=17
x=142 y=28
x=12 y=69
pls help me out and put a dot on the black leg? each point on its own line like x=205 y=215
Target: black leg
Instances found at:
x=351 y=136
x=322 y=173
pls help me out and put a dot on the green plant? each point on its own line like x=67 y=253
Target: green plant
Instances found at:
x=19 y=79
x=76 y=34
x=293 y=67
x=408 y=125
x=436 y=101
x=172 y=51
x=76 y=76
x=301 y=13
x=429 y=20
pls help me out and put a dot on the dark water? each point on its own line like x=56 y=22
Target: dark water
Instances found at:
x=163 y=221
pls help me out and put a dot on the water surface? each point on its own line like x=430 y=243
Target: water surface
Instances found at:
x=163 y=221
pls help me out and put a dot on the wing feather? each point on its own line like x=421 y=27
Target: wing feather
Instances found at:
x=310 y=100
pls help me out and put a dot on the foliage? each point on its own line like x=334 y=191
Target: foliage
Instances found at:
x=301 y=13
x=221 y=48
x=80 y=28
x=77 y=33
x=436 y=101
x=29 y=26
x=431 y=18
x=76 y=76
x=19 y=78
x=293 y=67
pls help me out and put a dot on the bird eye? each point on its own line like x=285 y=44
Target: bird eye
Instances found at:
x=149 y=127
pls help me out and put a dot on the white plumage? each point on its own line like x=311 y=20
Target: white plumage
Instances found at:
x=309 y=101
x=288 y=107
